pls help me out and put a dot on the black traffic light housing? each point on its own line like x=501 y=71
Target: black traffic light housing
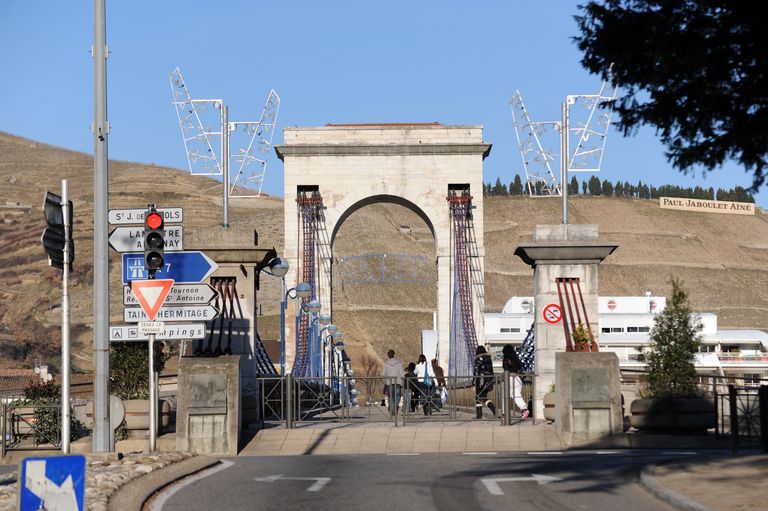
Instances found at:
x=154 y=241
x=54 y=238
x=159 y=358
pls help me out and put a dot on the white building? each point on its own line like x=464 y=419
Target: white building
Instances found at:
x=625 y=324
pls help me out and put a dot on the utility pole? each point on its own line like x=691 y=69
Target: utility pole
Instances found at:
x=225 y=159
x=65 y=369
x=101 y=427
x=564 y=158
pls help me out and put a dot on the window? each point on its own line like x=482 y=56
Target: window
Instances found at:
x=631 y=329
x=510 y=330
x=605 y=330
x=644 y=329
x=617 y=330
x=752 y=379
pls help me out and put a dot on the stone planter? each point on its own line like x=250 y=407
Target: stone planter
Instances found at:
x=549 y=406
x=678 y=414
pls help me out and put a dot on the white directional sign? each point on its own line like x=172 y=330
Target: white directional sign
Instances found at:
x=136 y=215
x=172 y=331
x=183 y=313
x=180 y=294
x=131 y=239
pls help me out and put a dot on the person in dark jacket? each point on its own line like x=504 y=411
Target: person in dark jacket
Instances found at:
x=512 y=364
x=483 y=372
x=411 y=393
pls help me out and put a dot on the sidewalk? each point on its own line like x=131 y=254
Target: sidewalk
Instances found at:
x=445 y=437
x=717 y=483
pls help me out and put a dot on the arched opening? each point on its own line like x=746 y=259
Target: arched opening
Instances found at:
x=384 y=281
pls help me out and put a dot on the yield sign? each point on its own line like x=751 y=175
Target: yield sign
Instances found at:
x=151 y=294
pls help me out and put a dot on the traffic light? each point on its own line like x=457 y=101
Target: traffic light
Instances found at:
x=154 y=243
x=158 y=360
x=54 y=236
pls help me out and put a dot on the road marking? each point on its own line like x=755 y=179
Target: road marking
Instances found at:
x=317 y=486
x=545 y=453
x=611 y=452
x=492 y=483
x=165 y=494
x=487 y=453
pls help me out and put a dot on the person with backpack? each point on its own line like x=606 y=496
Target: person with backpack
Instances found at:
x=511 y=363
x=425 y=383
x=483 y=372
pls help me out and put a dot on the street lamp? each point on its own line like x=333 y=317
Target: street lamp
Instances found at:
x=302 y=290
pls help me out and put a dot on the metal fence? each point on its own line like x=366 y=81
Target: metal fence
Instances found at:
x=297 y=402
x=28 y=427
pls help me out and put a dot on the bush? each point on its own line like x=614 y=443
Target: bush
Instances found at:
x=129 y=370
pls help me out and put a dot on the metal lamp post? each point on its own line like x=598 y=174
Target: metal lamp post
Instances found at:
x=302 y=290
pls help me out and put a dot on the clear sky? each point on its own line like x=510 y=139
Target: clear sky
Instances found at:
x=454 y=62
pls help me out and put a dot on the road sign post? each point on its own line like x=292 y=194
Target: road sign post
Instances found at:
x=171 y=332
x=183 y=267
x=135 y=216
x=131 y=239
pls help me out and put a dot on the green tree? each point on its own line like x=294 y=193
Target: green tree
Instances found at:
x=583 y=187
x=693 y=69
x=618 y=189
x=594 y=186
x=674 y=343
x=573 y=188
x=498 y=188
x=516 y=187
x=607 y=188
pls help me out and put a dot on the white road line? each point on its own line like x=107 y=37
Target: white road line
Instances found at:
x=611 y=452
x=544 y=453
x=487 y=453
x=165 y=494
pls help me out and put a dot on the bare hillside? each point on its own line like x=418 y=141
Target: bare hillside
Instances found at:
x=721 y=258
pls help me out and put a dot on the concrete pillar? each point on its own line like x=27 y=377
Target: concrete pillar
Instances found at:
x=561 y=251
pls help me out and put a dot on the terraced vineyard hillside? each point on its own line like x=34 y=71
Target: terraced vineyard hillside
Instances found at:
x=721 y=258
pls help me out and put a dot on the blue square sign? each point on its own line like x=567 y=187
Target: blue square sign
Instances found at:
x=53 y=483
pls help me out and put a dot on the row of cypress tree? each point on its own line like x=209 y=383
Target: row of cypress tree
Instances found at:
x=624 y=189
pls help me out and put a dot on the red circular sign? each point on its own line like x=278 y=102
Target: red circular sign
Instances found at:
x=611 y=304
x=552 y=314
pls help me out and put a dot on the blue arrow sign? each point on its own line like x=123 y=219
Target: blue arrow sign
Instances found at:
x=57 y=482
x=182 y=267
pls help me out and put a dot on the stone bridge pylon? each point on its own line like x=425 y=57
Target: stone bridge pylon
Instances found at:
x=414 y=165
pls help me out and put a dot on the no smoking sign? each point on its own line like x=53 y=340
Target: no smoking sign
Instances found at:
x=552 y=314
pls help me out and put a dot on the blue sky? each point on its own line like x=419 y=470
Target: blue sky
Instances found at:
x=331 y=62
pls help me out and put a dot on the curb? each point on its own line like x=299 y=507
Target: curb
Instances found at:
x=136 y=493
x=661 y=492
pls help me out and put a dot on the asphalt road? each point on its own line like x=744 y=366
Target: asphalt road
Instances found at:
x=444 y=482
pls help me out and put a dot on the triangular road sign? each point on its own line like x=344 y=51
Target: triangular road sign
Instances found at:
x=151 y=294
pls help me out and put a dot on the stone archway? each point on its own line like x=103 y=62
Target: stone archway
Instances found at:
x=414 y=165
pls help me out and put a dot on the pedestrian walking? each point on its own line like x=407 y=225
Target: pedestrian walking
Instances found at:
x=442 y=393
x=393 y=375
x=410 y=390
x=426 y=383
x=512 y=364
x=483 y=371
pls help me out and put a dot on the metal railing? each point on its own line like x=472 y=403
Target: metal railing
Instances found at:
x=400 y=401
x=30 y=427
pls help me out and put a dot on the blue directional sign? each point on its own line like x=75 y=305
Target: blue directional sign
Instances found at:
x=182 y=267
x=56 y=482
